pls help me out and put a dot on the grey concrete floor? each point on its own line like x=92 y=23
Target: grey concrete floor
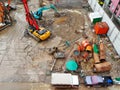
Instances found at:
x=40 y=86
x=23 y=65
x=20 y=57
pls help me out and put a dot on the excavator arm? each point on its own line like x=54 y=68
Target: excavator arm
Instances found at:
x=39 y=12
x=29 y=18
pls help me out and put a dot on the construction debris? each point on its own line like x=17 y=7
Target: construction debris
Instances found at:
x=25 y=60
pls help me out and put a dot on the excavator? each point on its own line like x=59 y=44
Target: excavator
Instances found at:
x=39 y=13
x=37 y=32
x=5 y=18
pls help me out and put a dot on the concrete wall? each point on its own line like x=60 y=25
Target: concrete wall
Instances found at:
x=113 y=33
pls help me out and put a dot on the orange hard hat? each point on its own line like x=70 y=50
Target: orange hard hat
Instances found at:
x=89 y=48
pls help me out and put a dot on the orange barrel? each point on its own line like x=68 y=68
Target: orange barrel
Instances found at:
x=85 y=43
x=102 y=52
x=81 y=48
x=101 y=28
x=89 y=48
x=85 y=55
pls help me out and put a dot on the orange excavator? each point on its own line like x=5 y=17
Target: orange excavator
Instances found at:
x=5 y=18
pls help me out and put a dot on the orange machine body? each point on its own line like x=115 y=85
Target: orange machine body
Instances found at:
x=101 y=28
x=1 y=12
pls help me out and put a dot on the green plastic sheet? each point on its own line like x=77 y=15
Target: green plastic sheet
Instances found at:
x=95 y=48
x=71 y=65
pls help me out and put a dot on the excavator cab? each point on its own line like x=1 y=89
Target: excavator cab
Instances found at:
x=41 y=34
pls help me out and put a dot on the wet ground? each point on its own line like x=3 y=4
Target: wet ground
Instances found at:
x=24 y=61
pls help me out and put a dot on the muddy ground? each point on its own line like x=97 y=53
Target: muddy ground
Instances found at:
x=24 y=60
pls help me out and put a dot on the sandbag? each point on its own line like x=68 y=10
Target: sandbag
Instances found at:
x=102 y=67
x=102 y=52
x=96 y=58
